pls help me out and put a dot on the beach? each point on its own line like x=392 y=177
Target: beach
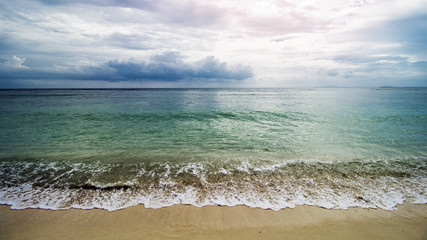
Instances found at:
x=409 y=221
x=261 y=148
x=213 y=164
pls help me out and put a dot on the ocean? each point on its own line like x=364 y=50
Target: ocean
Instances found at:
x=264 y=148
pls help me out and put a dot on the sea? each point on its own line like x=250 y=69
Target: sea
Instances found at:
x=110 y=149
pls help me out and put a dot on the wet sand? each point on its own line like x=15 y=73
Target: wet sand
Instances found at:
x=409 y=221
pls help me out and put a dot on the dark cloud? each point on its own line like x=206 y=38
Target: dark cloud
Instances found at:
x=170 y=66
x=166 y=67
x=15 y=69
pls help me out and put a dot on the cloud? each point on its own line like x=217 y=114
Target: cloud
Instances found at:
x=167 y=66
x=332 y=73
x=377 y=62
x=7 y=45
x=286 y=43
x=170 y=66
x=348 y=74
x=335 y=73
x=14 y=68
x=13 y=63
x=141 y=4
x=135 y=41
x=185 y=13
x=384 y=69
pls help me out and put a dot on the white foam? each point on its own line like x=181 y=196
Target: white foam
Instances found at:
x=30 y=197
x=327 y=191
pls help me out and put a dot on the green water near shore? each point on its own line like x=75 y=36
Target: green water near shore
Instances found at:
x=135 y=140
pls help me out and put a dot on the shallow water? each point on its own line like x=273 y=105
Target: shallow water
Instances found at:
x=268 y=148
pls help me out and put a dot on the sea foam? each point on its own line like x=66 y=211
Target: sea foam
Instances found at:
x=278 y=185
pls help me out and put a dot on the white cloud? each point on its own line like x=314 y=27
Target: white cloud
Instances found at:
x=286 y=43
x=14 y=63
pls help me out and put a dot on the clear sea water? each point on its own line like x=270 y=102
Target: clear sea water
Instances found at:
x=266 y=148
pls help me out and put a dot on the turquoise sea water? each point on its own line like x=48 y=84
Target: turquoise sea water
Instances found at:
x=268 y=148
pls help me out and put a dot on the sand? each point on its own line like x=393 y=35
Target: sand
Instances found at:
x=409 y=221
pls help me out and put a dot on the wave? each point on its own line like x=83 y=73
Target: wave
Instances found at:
x=258 y=183
x=249 y=116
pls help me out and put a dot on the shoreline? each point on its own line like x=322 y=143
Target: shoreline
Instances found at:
x=408 y=221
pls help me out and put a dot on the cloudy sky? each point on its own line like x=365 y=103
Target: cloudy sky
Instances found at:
x=221 y=43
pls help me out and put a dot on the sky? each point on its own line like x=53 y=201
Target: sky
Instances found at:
x=221 y=43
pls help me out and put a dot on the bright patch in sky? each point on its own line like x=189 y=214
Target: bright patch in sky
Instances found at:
x=223 y=43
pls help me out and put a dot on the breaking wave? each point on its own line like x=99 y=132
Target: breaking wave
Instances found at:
x=254 y=182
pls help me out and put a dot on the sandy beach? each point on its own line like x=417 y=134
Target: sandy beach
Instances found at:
x=409 y=221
